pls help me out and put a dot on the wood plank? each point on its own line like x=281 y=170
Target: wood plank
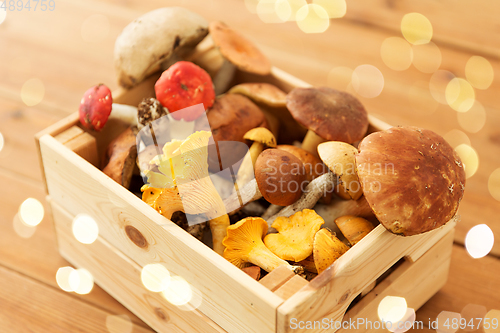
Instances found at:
x=121 y=277
x=27 y=305
x=38 y=256
x=291 y=286
x=276 y=278
x=114 y=208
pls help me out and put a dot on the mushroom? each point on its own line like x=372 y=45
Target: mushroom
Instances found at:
x=411 y=177
x=183 y=175
x=327 y=249
x=338 y=208
x=149 y=110
x=264 y=93
x=120 y=158
x=261 y=138
x=339 y=157
x=246 y=194
x=294 y=240
x=182 y=85
x=329 y=114
x=354 y=228
x=152 y=39
x=244 y=245
x=252 y=271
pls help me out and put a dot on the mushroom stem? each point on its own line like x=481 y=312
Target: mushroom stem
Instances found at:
x=218 y=226
x=313 y=192
x=340 y=208
x=265 y=259
x=125 y=113
x=246 y=170
x=271 y=210
x=248 y=193
x=311 y=142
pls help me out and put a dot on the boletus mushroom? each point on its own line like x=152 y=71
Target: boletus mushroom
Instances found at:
x=354 y=228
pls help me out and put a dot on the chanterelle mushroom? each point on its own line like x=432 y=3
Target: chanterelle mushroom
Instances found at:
x=411 y=177
x=183 y=173
x=327 y=249
x=294 y=240
x=244 y=245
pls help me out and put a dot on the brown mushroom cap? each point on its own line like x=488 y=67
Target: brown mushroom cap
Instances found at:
x=313 y=165
x=412 y=178
x=280 y=176
x=264 y=93
x=331 y=114
x=239 y=50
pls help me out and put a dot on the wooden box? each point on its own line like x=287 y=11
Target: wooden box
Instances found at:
x=132 y=235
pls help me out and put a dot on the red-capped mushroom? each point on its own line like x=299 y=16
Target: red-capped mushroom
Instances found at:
x=183 y=85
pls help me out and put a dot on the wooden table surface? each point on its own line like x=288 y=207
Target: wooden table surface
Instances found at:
x=71 y=48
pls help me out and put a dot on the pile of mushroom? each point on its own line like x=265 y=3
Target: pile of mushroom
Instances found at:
x=312 y=182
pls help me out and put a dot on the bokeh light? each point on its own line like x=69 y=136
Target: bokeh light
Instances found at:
x=95 y=28
x=404 y=324
x=471 y=313
x=295 y=5
x=421 y=99
x=396 y=53
x=460 y=95
x=3 y=13
x=312 y=19
x=491 y=322
x=392 y=308
x=155 y=277
x=334 y=8
x=438 y=83
x=266 y=10
x=85 y=229
x=195 y=301
x=470 y=159
x=426 y=57
x=283 y=10
x=456 y=137
x=2 y=142
x=479 y=72
x=368 y=81
x=62 y=278
x=447 y=317
x=119 y=324
x=32 y=92
x=31 y=212
x=474 y=119
x=81 y=281
x=178 y=291
x=22 y=230
x=479 y=241
x=494 y=184
x=339 y=77
x=416 y=28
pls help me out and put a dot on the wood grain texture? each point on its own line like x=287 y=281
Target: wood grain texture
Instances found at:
x=121 y=277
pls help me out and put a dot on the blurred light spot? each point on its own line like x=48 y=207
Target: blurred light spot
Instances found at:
x=421 y=99
x=479 y=72
x=494 y=184
x=339 y=77
x=119 y=324
x=3 y=13
x=368 y=81
x=95 y=28
x=334 y=8
x=426 y=57
x=85 y=229
x=470 y=159
x=252 y=5
x=392 y=308
x=491 y=321
x=444 y=321
x=22 y=229
x=32 y=92
x=31 y=212
x=460 y=95
x=62 y=278
x=404 y=324
x=472 y=313
x=283 y=10
x=479 y=241
x=155 y=277
x=178 y=291
x=266 y=10
x=295 y=5
x=81 y=281
x=473 y=120
x=456 y=137
x=396 y=53
x=312 y=19
x=195 y=301
x=438 y=83
x=2 y=141
x=416 y=28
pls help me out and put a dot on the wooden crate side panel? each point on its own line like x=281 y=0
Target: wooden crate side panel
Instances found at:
x=231 y=298
x=331 y=292
x=121 y=278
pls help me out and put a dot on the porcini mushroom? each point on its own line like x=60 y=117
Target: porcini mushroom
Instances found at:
x=329 y=114
x=121 y=157
x=152 y=39
x=338 y=208
x=354 y=228
x=264 y=93
x=261 y=138
x=244 y=245
x=411 y=177
x=327 y=249
x=294 y=240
